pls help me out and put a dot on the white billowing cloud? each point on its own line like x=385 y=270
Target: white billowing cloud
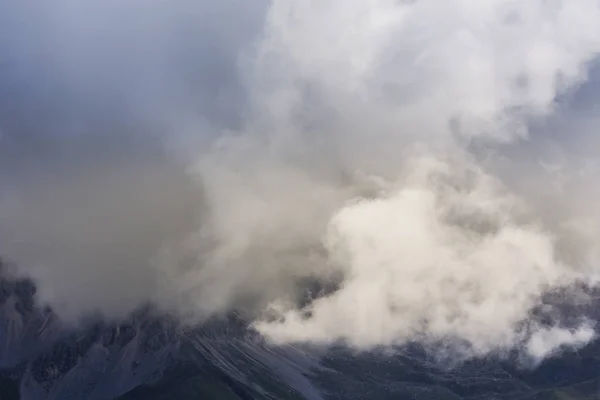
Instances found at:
x=437 y=257
x=548 y=340
x=434 y=257
x=475 y=64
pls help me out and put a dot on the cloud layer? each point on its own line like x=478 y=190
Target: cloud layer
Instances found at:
x=425 y=164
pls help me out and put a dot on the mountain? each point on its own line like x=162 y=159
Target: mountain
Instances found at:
x=151 y=357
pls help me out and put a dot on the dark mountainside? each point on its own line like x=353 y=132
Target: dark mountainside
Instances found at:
x=150 y=358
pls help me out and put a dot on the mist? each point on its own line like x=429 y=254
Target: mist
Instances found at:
x=372 y=173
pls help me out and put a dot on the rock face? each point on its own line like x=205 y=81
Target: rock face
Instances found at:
x=98 y=362
x=150 y=358
x=146 y=357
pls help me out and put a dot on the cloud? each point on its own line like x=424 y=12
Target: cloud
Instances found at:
x=454 y=248
x=99 y=105
x=547 y=341
x=423 y=165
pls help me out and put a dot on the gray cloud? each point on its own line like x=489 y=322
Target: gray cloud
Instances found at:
x=99 y=102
